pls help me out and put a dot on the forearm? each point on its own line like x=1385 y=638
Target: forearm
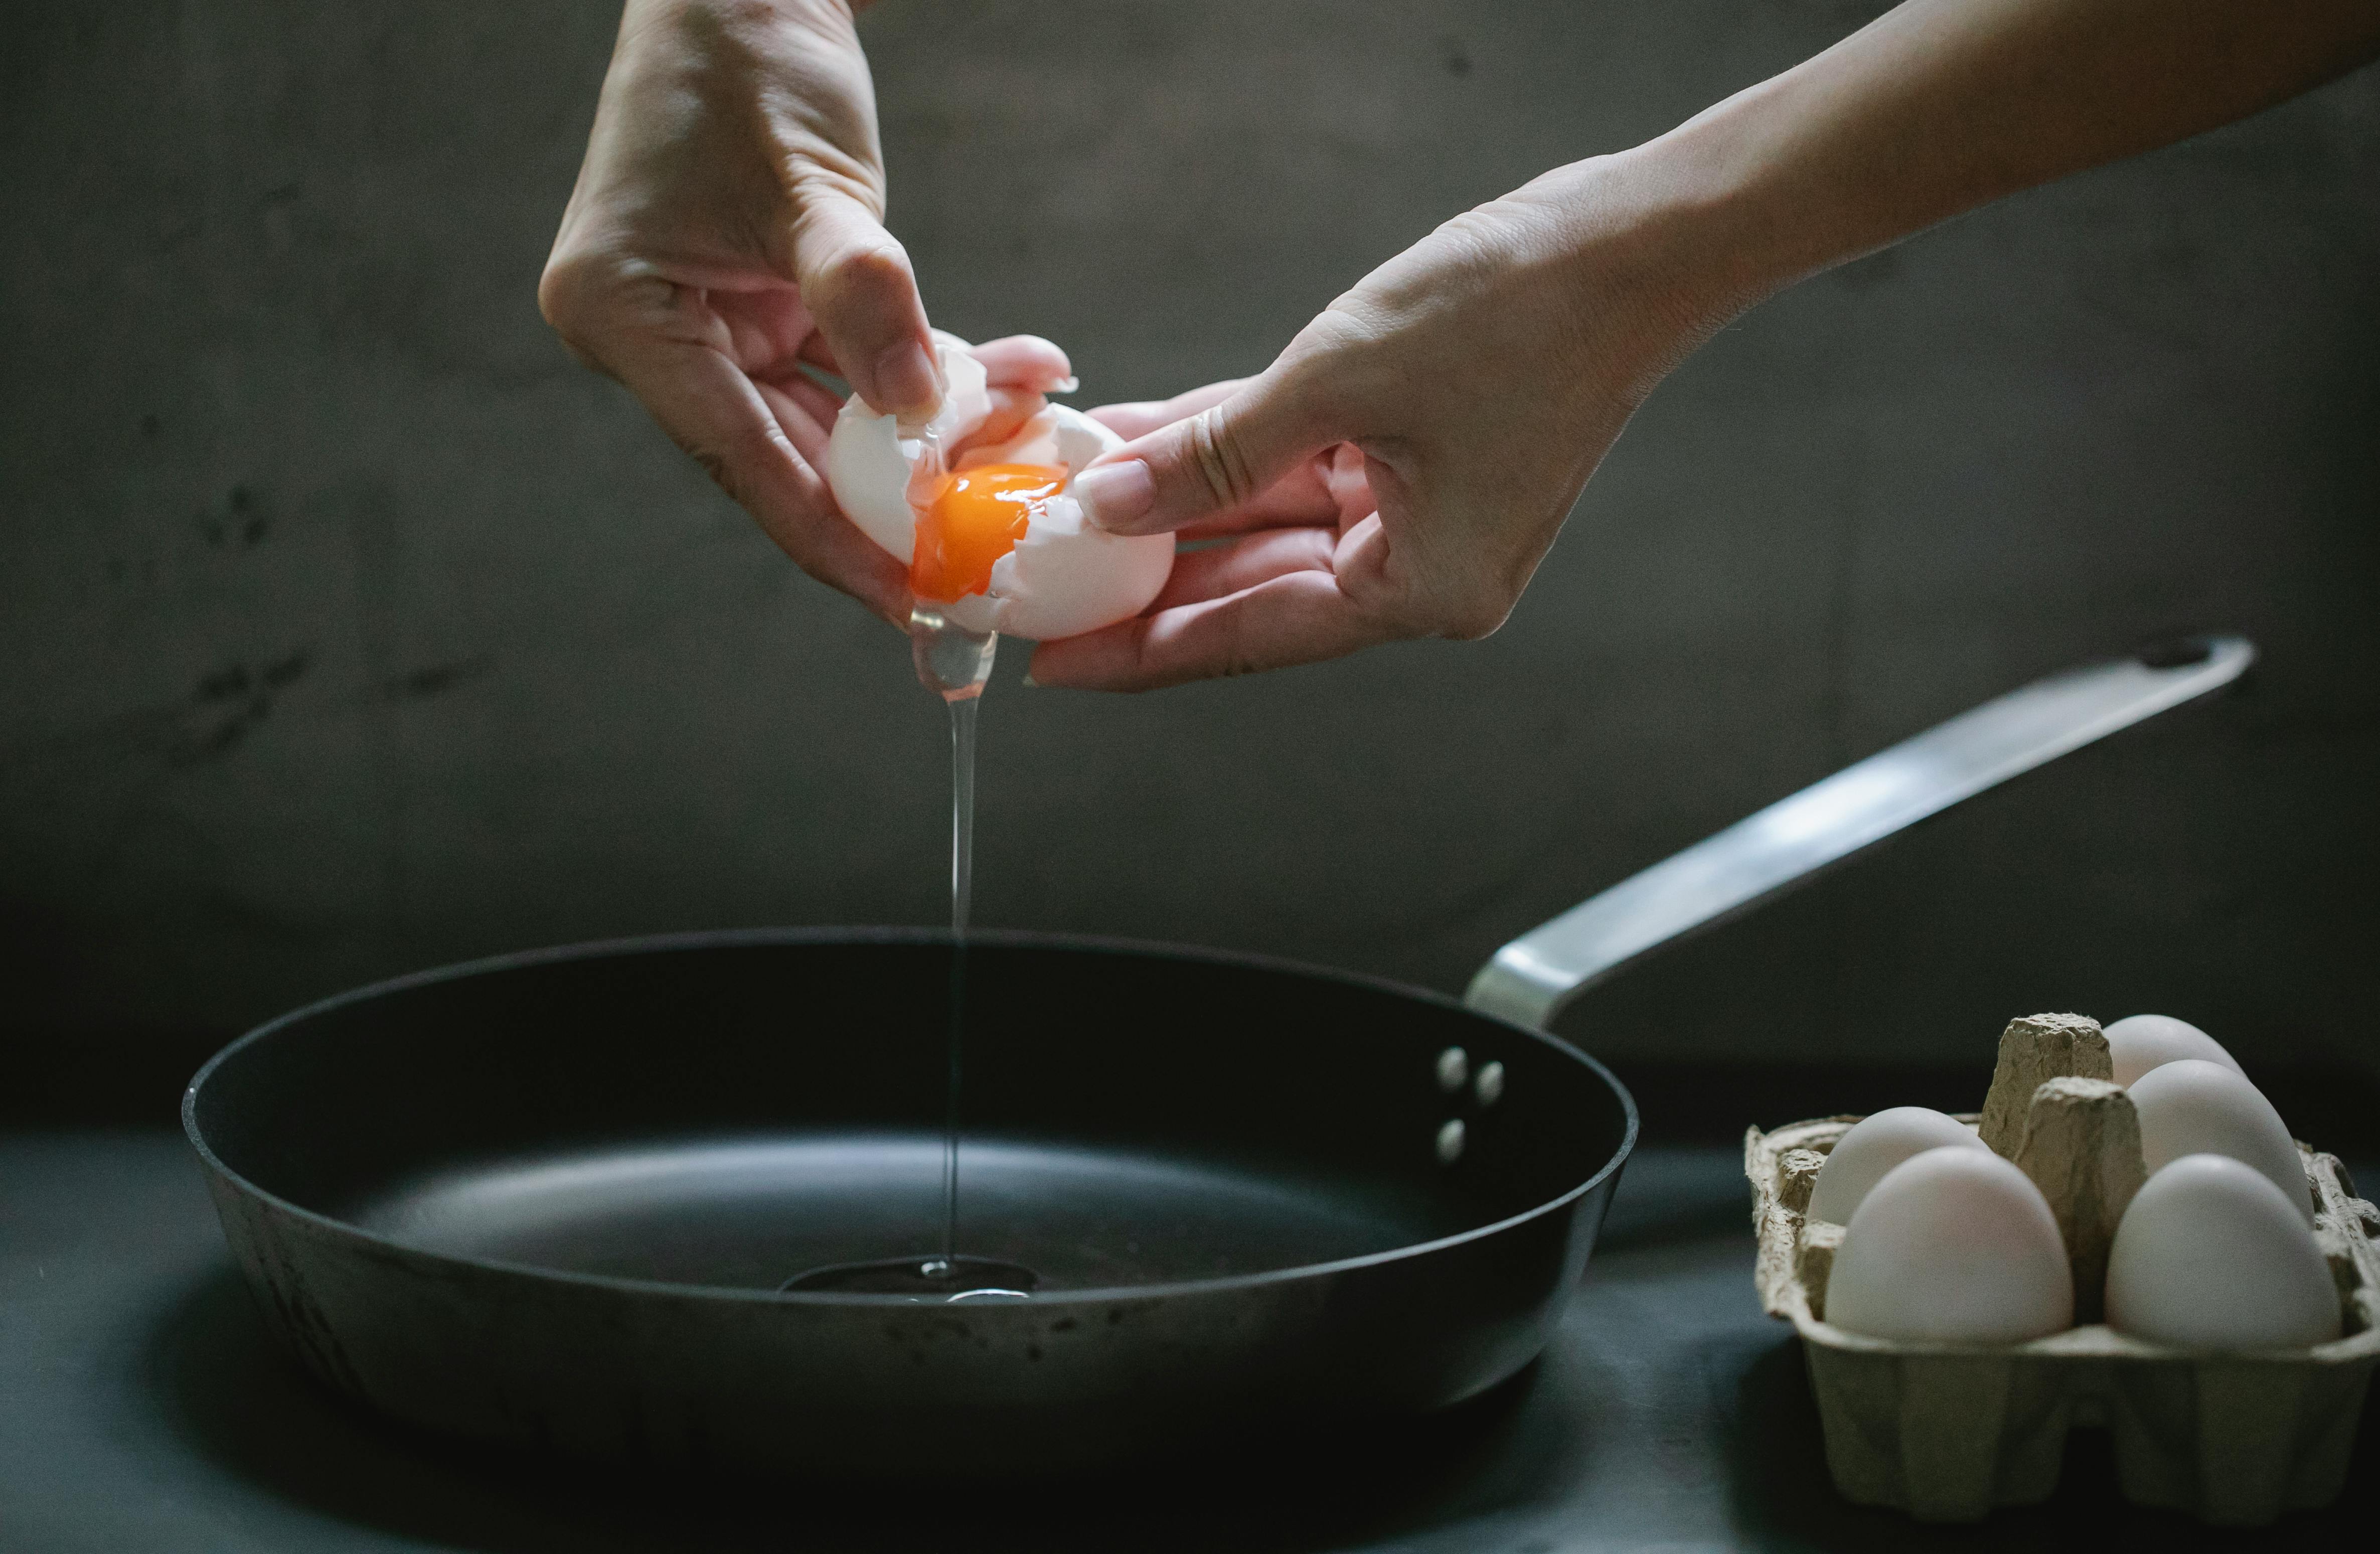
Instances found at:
x=1942 y=106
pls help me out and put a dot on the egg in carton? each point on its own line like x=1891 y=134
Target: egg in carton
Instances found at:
x=1947 y=1431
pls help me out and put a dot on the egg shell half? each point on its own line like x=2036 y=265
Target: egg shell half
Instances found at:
x=2194 y=1107
x=868 y=457
x=2141 y=1043
x=1065 y=576
x=1952 y=1245
x=1875 y=1145
x=2212 y=1255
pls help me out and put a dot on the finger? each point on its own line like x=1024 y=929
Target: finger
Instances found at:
x=1242 y=564
x=723 y=420
x=1254 y=518
x=821 y=355
x=1210 y=463
x=1300 y=617
x=1301 y=499
x=807 y=433
x=1140 y=418
x=1347 y=477
x=1333 y=489
x=818 y=401
x=1011 y=408
x=856 y=280
x=1025 y=362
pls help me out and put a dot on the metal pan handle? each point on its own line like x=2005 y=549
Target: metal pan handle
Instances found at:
x=1532 y=979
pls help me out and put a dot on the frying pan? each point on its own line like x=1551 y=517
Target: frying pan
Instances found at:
x=549 y=1200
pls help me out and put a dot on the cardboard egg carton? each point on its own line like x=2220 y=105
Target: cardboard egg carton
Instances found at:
x=1947 y=1431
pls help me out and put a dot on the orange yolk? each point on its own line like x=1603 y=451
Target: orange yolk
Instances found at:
x=975 y=517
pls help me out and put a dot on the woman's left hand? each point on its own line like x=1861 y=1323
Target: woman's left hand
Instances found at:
x=1400 y=470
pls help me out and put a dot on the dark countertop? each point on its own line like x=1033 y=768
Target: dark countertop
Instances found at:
x=141 y=1408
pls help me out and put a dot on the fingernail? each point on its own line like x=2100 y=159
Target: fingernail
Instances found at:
x=906 y=380
x=1115 y=494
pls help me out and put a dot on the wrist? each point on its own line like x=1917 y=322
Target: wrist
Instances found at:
x=1689 y=230
x=742 y=12
x=1757 y=199
x=1657 y=253
x=1838 y=157
x=1730 y=215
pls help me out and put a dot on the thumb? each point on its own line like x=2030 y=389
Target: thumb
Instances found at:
x=1209 y=463
x=855 y=281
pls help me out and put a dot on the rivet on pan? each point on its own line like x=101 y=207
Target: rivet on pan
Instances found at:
x=1450 y=1141
x=1453 y=1069
x=1490 y=1085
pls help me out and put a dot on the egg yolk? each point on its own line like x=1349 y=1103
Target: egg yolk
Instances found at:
x=975 y=517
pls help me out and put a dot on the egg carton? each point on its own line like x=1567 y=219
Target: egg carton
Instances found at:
x=1949 y=1431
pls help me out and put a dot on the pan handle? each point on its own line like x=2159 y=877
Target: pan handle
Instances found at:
x=1532 y=978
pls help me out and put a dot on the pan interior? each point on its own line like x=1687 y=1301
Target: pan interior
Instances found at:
x=751 y=1212
x=736 y=1111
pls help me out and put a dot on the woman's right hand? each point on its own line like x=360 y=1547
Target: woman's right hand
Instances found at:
x=727 y=228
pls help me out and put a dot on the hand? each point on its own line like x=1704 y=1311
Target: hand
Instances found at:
x=1479 y=377
x=1403 y=465
x=726 y=231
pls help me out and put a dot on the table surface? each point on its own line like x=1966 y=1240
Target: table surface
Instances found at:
x=141 y=1407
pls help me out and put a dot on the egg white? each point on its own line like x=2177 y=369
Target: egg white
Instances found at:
x=1064 y=577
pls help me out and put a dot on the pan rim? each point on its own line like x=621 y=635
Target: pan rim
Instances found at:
x=1013 y=937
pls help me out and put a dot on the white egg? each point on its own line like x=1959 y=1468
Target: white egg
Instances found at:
x=1875 y=1145
x=2211 y=1255
x=2141 y=1043
x=1952 y=1245
x=1064 y=576
x=2194 y=1107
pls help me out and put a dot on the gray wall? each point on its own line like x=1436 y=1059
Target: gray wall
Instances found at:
x=349 y=626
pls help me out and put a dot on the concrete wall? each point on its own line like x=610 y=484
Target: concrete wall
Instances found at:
x=348 y=626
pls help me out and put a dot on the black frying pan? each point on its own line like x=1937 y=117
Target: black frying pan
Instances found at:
x=549 y=1199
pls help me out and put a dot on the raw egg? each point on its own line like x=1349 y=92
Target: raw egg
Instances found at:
x=2140 y=1042
x=1875 y=1145
x=2194 y=1107
x=974 y=518
x=1953 y=1246
x=987 y=525
x=2211 y=1255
